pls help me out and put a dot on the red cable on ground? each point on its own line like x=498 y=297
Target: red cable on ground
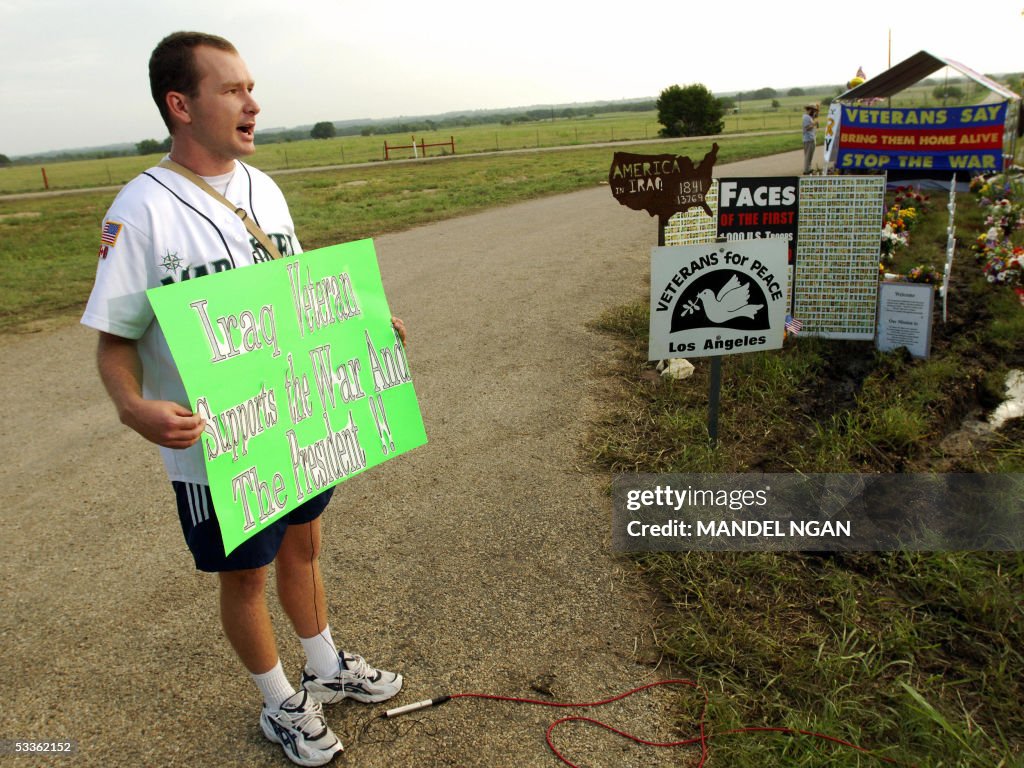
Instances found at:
x=702 y=739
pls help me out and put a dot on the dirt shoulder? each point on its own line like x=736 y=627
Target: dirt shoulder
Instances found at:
x=479 y=562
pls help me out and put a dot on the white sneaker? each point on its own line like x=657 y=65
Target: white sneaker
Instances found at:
x=299 y=727
x=355 y=680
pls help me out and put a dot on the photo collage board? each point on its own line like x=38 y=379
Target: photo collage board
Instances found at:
x=836 y=279
x=695 y=227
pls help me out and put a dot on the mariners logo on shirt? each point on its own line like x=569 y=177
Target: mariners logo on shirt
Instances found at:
x=171 y=261
x=108 y=237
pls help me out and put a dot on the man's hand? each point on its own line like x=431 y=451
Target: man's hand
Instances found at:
x=399 y=327
x=165 y=423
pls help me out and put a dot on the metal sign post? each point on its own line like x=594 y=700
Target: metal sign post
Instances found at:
x=715 y=389
x=714 y=393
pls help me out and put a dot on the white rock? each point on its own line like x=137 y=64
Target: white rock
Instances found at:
x=676 y=368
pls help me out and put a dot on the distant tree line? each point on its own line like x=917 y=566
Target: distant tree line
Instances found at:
x=327 y=129
x=365 y=128
x=760 y=93
x=72 y=154
x=505 y=117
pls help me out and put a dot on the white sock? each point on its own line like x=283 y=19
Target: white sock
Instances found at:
x=274 y=686
x=321 y=653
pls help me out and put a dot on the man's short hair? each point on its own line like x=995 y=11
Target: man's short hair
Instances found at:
x=172 y=66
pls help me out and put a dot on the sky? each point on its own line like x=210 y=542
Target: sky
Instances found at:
x=74 y=74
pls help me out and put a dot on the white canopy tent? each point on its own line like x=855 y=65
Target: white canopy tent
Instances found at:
x=923 y=64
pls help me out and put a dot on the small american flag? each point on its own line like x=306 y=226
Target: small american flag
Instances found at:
x=111 y=229
x=793 y=325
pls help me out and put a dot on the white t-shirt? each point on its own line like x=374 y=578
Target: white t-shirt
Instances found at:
x=162 y=229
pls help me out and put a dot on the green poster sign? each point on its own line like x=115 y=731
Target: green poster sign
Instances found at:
x=301 y=379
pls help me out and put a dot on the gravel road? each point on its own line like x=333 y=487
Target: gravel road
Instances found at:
x=479 y=562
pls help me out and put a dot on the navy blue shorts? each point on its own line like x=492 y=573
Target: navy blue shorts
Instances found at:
x=202 y=533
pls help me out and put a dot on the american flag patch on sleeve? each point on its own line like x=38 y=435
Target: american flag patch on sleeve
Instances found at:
x=111 y=229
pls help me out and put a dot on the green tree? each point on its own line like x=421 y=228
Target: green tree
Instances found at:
x=324 y=130
x=689 y=111
x=152 y=146
x=4 y=161
x=795 y=92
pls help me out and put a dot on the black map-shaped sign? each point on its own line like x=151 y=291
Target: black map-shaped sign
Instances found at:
x=662 y=185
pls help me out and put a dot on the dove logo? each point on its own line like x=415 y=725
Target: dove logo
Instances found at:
x=724 y=298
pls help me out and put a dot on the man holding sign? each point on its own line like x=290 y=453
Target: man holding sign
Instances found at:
x=167 y=226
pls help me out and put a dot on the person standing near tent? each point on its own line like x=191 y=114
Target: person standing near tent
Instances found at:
x=810 y=135
x=168 y=225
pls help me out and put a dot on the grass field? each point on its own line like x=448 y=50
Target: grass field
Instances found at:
x=50 y=258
